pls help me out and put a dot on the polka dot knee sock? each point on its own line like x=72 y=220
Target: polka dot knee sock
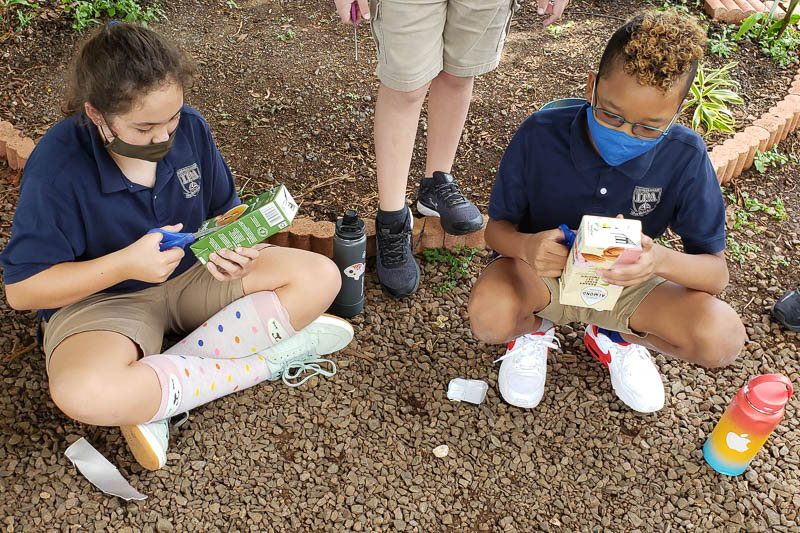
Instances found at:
x=248 y=325
x=189 y=381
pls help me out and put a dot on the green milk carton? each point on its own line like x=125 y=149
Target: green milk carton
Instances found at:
x=246 y=224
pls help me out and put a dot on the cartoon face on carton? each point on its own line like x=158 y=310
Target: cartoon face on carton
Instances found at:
x=601 y=242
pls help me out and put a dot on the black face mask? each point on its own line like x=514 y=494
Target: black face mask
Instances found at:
x=153 y=152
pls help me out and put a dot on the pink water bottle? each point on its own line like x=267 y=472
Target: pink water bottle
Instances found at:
x=749 y=419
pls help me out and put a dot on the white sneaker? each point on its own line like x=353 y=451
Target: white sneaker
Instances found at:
x=148 y=443
x=634 y=376
x=291 y=357
x=523 y=372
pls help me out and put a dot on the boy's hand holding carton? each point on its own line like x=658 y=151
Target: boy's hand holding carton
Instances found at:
x=601 y=242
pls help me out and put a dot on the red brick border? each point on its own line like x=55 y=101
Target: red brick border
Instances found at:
x=729 y=160
x=735 y=11
x=14 y=147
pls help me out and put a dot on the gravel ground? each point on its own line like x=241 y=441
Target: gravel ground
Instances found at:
x=354 y=453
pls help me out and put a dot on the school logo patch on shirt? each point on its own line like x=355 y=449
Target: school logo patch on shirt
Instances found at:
x=190 y=180
x=645 y=200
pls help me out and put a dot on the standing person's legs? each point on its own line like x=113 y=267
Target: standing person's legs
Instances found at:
x=408 y=37
x=473 y=41
x=448 y=104
x=396 y=119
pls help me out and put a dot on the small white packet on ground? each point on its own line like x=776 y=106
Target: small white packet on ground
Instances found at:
x=467 y=390
x=99 y=471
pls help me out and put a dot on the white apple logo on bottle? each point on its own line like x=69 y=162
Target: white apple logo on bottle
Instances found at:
x=737 y=442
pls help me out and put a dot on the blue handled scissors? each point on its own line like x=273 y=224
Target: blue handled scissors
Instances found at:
x=569 y=235
x=172 y=239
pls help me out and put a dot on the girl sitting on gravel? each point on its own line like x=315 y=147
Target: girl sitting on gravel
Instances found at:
x=131 y=156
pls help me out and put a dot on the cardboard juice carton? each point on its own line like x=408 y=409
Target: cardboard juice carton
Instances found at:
x=600 y=243
x=246 y=224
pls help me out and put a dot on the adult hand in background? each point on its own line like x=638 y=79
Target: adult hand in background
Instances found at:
x=553 y=8
x=343 y=10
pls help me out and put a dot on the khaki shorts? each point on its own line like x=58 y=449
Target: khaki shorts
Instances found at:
x=180 y=304
x=617 y=319
x=417 y=39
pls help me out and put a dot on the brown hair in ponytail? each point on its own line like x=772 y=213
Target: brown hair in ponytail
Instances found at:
x=120 y=63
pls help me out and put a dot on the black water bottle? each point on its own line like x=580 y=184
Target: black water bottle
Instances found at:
x=350 y=255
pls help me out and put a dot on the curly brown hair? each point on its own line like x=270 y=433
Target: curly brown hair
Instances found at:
x=658 y=48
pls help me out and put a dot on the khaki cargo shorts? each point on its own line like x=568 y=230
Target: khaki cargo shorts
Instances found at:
x=617 y=319
x=417 y=39
x=180 y=304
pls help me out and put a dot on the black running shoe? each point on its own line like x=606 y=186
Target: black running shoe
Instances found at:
x=440 y=197
x=787 y=310
x=398 y=271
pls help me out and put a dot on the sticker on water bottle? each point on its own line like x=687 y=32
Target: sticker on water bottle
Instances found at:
x=355 y=270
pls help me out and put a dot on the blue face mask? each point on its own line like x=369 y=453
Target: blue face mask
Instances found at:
x=617 y=147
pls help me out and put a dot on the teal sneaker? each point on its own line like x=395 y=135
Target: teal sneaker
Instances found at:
x=148 y=442
x=288 y=359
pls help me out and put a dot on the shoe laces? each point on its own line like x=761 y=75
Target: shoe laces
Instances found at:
x=631 y=357
x=178 y=420
x=526 y=355
x=393 y=247
x=294 y=361
x=450 y=194
x=294 y=369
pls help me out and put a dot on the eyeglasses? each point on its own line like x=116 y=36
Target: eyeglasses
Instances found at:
x=641 y=131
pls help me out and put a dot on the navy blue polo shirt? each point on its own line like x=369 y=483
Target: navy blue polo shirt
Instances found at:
x=75 y=204
x=551 y=174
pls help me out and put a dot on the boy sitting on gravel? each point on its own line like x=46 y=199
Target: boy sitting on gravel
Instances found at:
x=621 y=153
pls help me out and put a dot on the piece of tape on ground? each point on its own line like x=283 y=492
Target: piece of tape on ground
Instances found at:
x=100 y=472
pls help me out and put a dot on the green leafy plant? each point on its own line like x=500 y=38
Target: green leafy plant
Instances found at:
x=739 y=251
x=87 y=12
x=776 y=210
x=458 y=260
x=555 y=31
x=21 y=10
x=288 y=36
x=777 y=39
x=711 y=93
x=770 y=158
x=721 y=44
x=680 y=5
